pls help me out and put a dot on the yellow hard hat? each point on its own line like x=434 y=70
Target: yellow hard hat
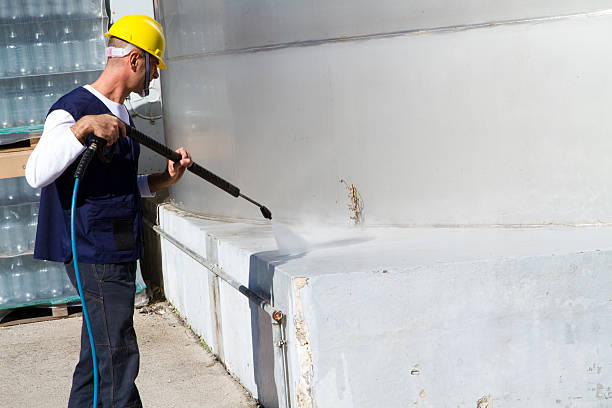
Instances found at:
x=142 y=31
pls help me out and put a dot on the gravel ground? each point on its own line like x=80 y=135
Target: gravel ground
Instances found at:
x=37 y=360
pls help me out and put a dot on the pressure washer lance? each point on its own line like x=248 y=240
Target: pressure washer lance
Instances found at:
x=194 y=168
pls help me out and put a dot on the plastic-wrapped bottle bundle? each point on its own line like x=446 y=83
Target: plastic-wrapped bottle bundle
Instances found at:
x=28 y=194
x=22 y=281
x=29 y=279
x=26 y=101
x=52 y=46
x=43 y=277
x=3 y=42
x=6 y=120
x=30 y=217
x=95 y=45
x=70 y=50
x=75 y=80
x=19 y=239
x=6 y=287
x=19 y=105
x=32 y=98
x=27 y=10
x=26 y=280
x=18 y=281
x=42 y=51
x=92 y=9
x=36 y=9
x=11 y=10
x=43 y=96
x=35 y=47
x=47 y=95
x=5 y=100
x=56 y=279
x=6 y=222
x=16 y=52
x=41 y=272
x=5 y=10
x=30 y=95
x=12 y=232
x=68 y=289
x=10 y=190
x=18 y=216
x=64 y=46
x=72 y=8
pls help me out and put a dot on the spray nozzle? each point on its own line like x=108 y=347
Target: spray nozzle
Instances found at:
x=97 y=142
x=265 y=212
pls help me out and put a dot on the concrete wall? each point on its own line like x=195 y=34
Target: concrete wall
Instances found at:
x=236 y=330
x=501 y=124
x=392 y=317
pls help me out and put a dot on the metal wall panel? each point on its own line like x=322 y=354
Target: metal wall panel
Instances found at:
x=195 y=27
x=500 y=125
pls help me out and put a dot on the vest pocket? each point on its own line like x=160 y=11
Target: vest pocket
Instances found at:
x=113 y=228
x=123 y=233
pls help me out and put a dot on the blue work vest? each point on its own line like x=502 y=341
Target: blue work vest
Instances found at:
x=108 y=217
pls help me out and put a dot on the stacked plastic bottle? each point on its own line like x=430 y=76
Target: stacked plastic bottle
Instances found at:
x=46 y=46
x=24 y=280
x=26 y=101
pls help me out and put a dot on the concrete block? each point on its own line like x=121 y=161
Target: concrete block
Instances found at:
x=430 y=317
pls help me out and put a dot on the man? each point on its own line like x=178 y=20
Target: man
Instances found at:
x=108 y=209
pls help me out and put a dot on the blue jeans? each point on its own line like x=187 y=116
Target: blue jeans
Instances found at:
x=109 y=292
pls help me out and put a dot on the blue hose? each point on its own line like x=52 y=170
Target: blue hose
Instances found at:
x=78 y=279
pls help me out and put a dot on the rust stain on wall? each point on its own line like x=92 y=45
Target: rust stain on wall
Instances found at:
x=304 y=386
x=355 y=203
x=485 y=402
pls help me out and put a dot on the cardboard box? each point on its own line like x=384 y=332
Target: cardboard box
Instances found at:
x=13 y=164
x=13 y=157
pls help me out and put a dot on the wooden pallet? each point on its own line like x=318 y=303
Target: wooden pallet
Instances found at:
x=34 y=314
x=27 y=144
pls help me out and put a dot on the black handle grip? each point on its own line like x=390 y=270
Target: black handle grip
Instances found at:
x=174 y=156
x=96 y=142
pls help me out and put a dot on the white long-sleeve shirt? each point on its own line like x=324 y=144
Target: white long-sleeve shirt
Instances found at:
x=58 y=147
